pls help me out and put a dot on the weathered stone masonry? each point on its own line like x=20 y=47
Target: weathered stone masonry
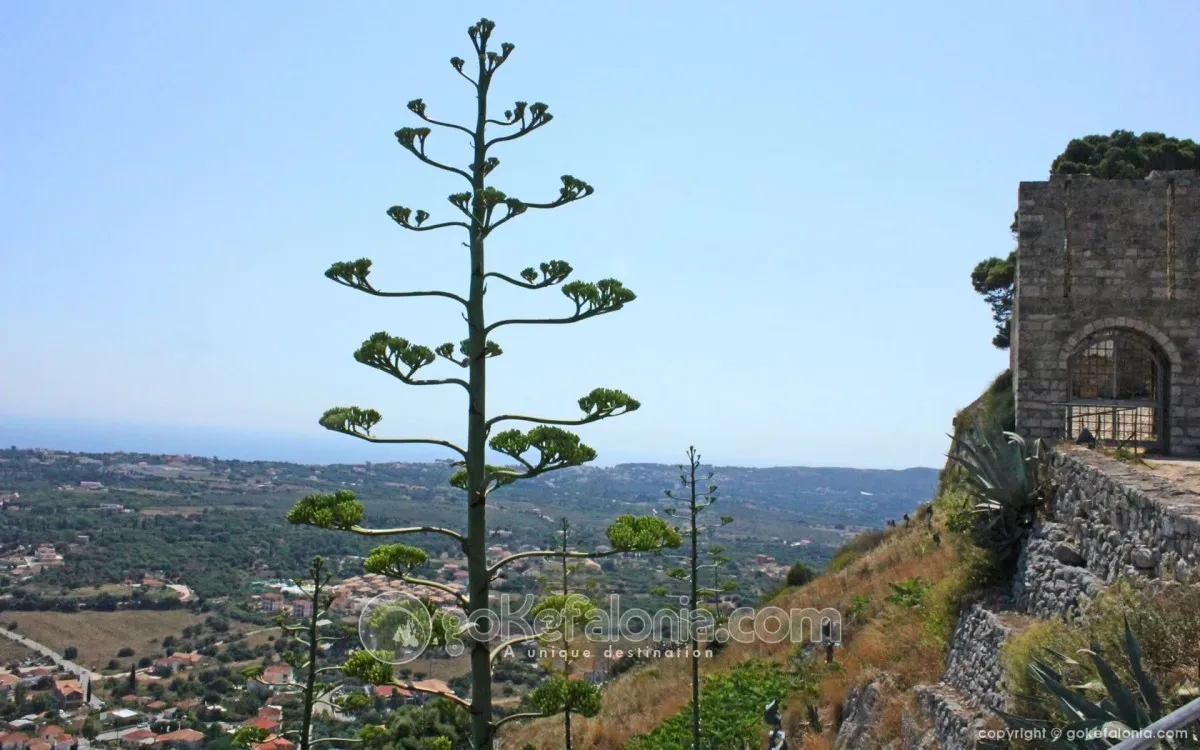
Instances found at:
x=1096 y=255
x=1106 y=520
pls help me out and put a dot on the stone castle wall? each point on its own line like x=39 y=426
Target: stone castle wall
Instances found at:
x=1096 y=254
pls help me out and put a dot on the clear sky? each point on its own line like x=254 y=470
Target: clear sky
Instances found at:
x=796 y=191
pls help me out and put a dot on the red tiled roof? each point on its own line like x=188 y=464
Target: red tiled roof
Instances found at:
x=384 y=691
x=261 y=722
x=181 y=735
x=66 y=687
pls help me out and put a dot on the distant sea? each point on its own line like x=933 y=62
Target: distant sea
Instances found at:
x=86 y=436
x=317 y=447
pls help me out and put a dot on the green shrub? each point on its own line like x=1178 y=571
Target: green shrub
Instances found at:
x=1107 y=702
x=859 y=603
x=946 y=600
x=1167 y=624
x=954 y=508
x=731 y=710
x=910 y=593
x=999 y=408
x=800 y=574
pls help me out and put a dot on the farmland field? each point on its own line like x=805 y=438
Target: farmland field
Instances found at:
x=11 y=651
x=100 y=635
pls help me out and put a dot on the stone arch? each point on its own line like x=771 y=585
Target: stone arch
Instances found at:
x=1118 y=380
x=1174 y=360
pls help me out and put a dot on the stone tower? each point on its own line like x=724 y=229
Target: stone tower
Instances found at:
x=1106 y=316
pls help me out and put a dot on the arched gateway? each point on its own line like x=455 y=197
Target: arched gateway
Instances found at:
x=1118 y=389
x=1105 y=330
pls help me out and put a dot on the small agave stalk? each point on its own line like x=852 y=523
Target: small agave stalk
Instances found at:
x=694 y=497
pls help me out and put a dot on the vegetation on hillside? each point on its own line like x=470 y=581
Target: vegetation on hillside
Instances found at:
x=1091 y=657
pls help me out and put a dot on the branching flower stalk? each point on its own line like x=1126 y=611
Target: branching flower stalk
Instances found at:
x=690 y=503
x=544 y=447
x=314 y=689
x=568 y=612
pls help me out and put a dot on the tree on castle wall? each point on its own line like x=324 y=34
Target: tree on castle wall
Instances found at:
x=1122 y=155
x=543 y=448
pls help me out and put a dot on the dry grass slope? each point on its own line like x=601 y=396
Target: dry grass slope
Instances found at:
x=100 y=635
x=881 y=638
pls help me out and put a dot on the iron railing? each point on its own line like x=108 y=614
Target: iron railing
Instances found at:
x=1118 y=422
x=1163 y=729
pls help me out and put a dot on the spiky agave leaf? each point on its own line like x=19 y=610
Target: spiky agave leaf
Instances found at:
x=1005 y=476
x=1146 y=687
x=1124 y=705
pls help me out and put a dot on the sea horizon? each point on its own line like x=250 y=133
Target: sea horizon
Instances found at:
x=319 y=448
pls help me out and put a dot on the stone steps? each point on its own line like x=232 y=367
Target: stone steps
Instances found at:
x=973 y=664
x=951 y=713
x=953 y=723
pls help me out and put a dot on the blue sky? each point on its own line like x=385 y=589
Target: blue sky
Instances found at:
x=796 y=191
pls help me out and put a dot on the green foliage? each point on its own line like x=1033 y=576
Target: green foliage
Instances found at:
x=557 y=694
x=393 y=355
x=1167 y=623
x=341 y=510
x=999 y=409
x=556 y=447
x=994 y=278
x=563 y=609
x=732 y=706
x=1008 y=480
x=955 y=508
x=859 y=606
x=395 y=560
x=948 y=597
x=800 y=574
x=908 y=593
x=248 y=736
x=419 y=727
x=350 y=420
x=856 y=548
x=642 y=533
x=1123 y=155
x=604 y=296
x=607 y=402
x=368 y=667
x=1105 y=703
